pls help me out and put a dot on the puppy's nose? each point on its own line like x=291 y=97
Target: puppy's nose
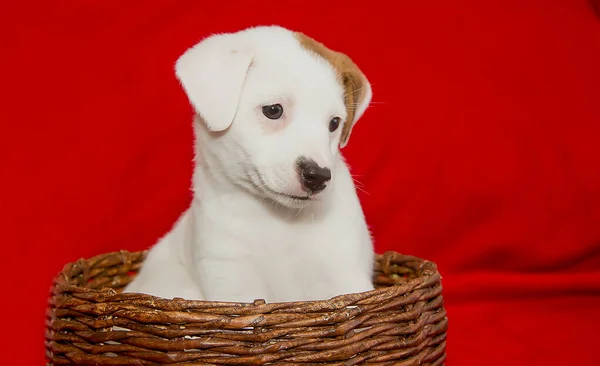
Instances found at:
x=312 y=176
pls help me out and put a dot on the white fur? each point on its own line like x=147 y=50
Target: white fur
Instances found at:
x=239 y=240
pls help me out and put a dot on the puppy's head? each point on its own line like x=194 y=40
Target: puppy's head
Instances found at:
x=274 y=106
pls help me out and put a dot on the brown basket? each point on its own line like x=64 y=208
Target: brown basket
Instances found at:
x=401 y=322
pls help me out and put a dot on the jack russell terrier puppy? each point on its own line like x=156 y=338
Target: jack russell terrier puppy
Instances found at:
x=275 y=214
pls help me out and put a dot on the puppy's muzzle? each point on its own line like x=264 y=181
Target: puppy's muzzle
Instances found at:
x=313 y=177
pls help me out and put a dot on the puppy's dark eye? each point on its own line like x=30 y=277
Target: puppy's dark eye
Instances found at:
x=334 y=124
x=273 y=111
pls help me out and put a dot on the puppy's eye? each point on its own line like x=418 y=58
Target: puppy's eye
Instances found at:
x=334 y=123
x=273 y=111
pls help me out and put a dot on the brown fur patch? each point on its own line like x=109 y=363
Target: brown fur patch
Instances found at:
x=351 y=78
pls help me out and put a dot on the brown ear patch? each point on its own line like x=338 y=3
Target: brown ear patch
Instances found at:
x=350 y=77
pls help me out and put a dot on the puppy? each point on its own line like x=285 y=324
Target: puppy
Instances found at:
x=275 y=214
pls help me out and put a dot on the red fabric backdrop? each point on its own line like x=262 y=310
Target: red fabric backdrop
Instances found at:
x=480 y=152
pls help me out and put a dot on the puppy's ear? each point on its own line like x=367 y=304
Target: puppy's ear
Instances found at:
x=212 y=73
x=357 y=99
x=357 y=89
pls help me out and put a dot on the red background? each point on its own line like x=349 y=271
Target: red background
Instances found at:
x=480 y=152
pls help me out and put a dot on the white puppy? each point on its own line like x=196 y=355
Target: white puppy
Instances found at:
x=275 y=214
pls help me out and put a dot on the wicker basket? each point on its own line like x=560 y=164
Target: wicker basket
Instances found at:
x=401 y=322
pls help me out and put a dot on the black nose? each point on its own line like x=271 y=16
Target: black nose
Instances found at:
x=312 y=176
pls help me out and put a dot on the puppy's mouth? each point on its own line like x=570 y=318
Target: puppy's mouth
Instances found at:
x=300 y=198
x=262 y=186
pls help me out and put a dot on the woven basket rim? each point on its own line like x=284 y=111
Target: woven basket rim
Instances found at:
x=427 y=269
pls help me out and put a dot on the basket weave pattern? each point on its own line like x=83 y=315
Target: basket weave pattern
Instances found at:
x=401 y=322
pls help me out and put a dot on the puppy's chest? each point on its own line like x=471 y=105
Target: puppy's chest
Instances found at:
x=288 y=248
x=294 y=242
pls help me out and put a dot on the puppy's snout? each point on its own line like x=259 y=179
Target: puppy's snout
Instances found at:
x=312 y=176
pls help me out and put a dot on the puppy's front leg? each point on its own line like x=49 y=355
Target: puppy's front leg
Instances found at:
x=230 y=278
